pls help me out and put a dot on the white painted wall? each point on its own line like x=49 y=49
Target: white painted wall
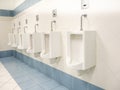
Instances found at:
x=7 y=4
x=104 y=18
x=18 y=2
x=5 y=27
x=10 y=4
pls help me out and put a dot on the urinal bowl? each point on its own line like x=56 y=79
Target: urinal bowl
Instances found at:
x=51 y=45
x=15 y=40
x=23 y=41
x=10 y=39
x=34 y=43
x=80 y=49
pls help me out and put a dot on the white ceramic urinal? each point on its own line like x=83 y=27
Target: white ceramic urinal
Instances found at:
x=10 y=38
x=80 y=50
x=23 y=40
x=14 y=40
x=14 y=44
x=19 y=41
x=34 y=43
x=51 y=45
x=29 y=49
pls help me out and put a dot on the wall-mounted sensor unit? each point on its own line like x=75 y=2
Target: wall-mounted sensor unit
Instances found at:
x=54 y=13
x=37 y=18
x=51 y=45
x=81 y=50
x=84 y=4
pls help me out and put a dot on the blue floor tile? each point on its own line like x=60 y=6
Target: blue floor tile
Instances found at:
x=27 y=84
x=50 y=85
x=27 y=77
x=36 y=87
x=22 y=79
x=60 y=88
x=40 y=78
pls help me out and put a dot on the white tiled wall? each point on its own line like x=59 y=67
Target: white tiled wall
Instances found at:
x=5 y=27
x=17 y=2
x=10 y=4
x=104 y=18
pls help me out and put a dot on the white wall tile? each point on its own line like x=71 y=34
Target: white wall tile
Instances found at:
x=5 y=27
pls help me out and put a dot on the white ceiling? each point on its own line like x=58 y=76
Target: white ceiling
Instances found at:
x=10 y=4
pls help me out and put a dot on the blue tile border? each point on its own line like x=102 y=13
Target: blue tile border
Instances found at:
x=7 y=13
x=26 y=4
x=7 y=53
x=64 y=79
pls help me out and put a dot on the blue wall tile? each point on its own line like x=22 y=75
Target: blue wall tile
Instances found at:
x=56 y=75
x=7 y=13
x=38 y=65
x=43 y=68
x=93 y=87
x=19 y=56
x=6 y=53
x=48 y=70
x=66 y=80
x=79 y=84
x=28 y=60
x=14 y=53
x=26 y=4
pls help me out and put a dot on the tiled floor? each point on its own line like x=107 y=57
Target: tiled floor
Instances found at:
x=15 y=75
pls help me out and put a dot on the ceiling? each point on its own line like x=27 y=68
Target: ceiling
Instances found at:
x=10 y=4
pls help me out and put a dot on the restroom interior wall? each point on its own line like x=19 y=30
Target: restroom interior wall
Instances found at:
x=10 y=4
x=7 y=5
x=103 y=17
x=17 y=3
x=5 y=28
